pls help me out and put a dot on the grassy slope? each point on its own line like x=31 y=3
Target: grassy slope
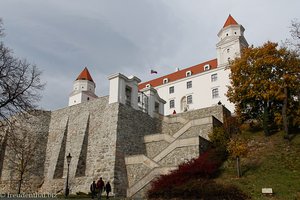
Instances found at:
x=272 y=162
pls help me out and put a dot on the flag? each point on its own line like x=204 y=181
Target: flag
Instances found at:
x=153 y=71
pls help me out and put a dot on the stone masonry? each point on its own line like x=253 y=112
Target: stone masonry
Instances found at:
x=122 y=145
x=182 y=137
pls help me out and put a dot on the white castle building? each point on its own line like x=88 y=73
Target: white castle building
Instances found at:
x=195 y=87
x=205 y=84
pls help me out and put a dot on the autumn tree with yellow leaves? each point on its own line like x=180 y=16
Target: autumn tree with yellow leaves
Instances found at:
x=237 y=148
x=265 y=85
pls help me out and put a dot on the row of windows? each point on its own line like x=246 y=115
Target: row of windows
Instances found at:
x=214 y=77
x=189 y=98
x=189 y=84
x=188 y=73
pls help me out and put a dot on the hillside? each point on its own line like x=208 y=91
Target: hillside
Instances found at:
x=272 y=162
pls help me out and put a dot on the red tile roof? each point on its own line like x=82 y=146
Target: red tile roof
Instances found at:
x=85 y=75
x=230 y=21
x=180 y=74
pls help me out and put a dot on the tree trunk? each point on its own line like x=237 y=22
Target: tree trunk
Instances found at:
x=238 y=166
x=266 y=119
x=19 y=186
x=284 y=113
x=20 y=183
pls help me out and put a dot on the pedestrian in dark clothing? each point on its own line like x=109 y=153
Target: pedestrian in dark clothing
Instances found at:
x=100 y=186
x=93 y=189
x=107 y=189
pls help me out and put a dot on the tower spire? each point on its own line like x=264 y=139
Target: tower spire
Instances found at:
x=231 y=42
x=85 y=75
x=230 y=21
x=83 y=88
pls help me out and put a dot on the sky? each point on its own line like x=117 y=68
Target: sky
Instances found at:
x=131 y=37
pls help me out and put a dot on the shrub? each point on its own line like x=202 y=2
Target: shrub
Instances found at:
x=221 y=135
x=206 y=166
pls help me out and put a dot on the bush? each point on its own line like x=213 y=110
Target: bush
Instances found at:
x=221 y=135
x=204 y=167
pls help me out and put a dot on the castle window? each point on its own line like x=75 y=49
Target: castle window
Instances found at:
x=228 y=50
x=226 y=34
x=189 y=99
x=139 y=99
x=189 y=84
x=166 y=80
x=172 y=103
x=88 y=98
x=235 y=33
x=171 y=90
x=206 y=67
x=188 y=73
x=214 y=77
x=156 y=107
x=215 y=93
x=148 y=85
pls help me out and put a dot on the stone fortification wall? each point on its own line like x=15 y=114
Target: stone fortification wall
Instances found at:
x=31 y=129
x=88 y=132
x=100 y=137
x=133 y=125
x=217 y=111
x=170 y=128
x=155 y=147
x=182 y=137
x=97 y=135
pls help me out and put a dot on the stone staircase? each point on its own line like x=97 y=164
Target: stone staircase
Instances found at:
x=166 y=150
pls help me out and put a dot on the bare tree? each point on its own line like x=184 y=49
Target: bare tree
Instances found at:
x=1 y=28
x=294 y=42
x=20 y=84
x=21 y=150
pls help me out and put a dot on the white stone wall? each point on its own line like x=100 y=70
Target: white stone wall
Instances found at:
x=231 y=42
x=118 y=83
x=152 y=99
x=84 y=85
x=83 y=91
x=201 y=91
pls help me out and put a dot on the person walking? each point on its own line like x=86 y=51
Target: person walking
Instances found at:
x=93 y=189
x=107 y=189
x=100 y=185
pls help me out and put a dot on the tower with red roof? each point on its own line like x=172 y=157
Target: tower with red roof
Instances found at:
x=205 y=84
x=231 y=41
x=83 y=88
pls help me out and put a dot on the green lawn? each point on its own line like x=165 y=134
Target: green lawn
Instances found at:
x=272 y=162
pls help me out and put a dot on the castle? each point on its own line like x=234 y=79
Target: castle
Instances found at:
x=133 y=135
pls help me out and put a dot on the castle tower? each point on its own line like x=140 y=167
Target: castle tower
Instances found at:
x=83 y=88
x=232 y=41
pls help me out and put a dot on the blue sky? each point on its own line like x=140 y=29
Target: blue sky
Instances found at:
x=131 y=37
